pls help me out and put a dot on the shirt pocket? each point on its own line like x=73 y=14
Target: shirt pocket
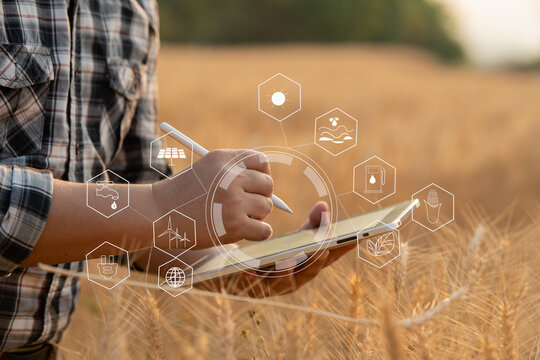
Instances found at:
x=26 y=72
x=126 y=84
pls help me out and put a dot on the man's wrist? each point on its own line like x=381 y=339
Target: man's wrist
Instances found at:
x=174 y=193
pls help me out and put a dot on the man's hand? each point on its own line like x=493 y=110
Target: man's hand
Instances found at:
x=246 y=201
x=249 y=283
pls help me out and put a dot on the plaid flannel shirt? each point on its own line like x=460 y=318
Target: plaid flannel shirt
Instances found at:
x=77 y=96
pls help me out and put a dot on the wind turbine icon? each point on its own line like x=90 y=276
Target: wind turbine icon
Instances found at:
x=174 y=236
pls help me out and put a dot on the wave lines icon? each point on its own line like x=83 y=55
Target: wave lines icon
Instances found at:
x=337 y=135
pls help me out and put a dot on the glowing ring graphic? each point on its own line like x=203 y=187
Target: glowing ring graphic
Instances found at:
x=283 y=155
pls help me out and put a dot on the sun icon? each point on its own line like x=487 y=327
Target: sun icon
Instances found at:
x=278 y=98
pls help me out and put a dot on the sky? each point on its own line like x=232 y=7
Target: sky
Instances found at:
x=498 y=32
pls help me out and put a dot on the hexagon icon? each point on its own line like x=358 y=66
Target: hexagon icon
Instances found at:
x=335 y=131
x=175 y=277
x=107 y=193
x=374 y=179
x=280 y=97
x=436 y=207
x=175 y=233
x=380 y=249
x=167 y=152
x=104 y=265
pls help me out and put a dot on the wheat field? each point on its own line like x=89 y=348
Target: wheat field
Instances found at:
x=468 y=291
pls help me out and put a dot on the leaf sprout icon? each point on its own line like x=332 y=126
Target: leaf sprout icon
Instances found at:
x=384 y=245
x=334 y=121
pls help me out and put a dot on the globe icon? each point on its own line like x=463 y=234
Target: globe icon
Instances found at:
x=175 y=277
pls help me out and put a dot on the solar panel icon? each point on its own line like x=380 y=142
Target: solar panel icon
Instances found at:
x=171 y=153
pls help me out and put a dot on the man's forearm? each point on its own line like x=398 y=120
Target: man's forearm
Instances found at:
x=72 y=229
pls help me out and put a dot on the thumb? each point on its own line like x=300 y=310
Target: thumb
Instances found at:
x=319 y=214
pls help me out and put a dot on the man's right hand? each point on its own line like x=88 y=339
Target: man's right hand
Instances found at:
x=246 y=201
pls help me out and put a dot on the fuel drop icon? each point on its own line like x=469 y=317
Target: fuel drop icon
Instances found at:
x=374 y=179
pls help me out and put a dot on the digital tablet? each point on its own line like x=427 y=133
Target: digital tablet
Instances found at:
x=292 y=249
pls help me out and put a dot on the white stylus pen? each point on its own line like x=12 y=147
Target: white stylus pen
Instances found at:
x=199 y=150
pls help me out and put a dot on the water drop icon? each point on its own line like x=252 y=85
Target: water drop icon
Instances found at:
x=372 y=180
x=334 y=121
x=113 y=205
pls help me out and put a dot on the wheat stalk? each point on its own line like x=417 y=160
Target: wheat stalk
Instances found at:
x=310 y=328
x=355 y=308
x=430 y=314
x=507 y=325
x=365 y=347
x=423 y=342
x=401 y=269
x=153 y=329
x=394 y=344
x=111 y=341
x=226 y=325
x=474 y=246
x=487 y=349
x=508 y=335
x=198 y=348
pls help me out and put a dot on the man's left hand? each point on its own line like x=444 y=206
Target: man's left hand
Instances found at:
x=268 y=284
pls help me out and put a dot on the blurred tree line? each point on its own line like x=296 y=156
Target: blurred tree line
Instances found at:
x=418 y=22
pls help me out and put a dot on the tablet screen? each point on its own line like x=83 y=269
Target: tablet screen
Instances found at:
x=250 y=253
